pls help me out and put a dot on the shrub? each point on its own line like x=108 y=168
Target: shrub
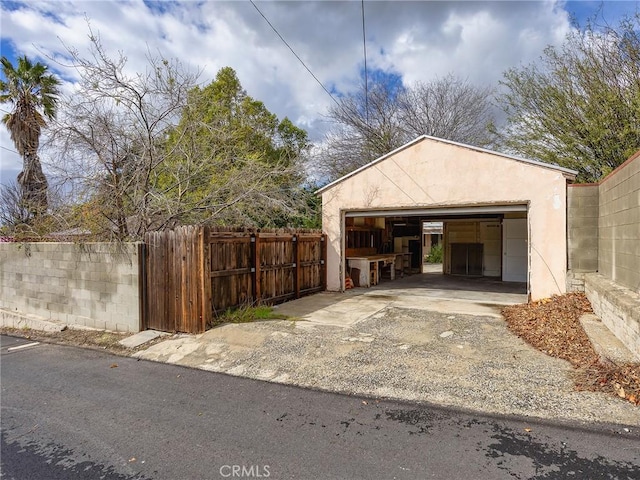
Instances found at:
x=435 y=254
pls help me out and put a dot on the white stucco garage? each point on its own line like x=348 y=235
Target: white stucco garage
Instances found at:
x=502 y=216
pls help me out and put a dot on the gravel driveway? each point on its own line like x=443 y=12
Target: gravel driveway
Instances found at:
x=402 y=353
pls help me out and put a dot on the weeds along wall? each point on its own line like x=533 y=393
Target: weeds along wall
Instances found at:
x=90 y=284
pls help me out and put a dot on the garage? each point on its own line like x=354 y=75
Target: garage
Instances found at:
x=496 y=216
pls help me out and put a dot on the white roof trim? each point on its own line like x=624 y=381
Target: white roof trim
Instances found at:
x=567 y=172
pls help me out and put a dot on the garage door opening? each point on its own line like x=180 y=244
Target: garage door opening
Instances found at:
x=482 y=248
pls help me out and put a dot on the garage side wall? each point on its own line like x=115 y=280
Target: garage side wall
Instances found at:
x=93 y=284
x=437 y=174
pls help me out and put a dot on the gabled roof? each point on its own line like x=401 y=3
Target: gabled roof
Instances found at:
x=567 y=172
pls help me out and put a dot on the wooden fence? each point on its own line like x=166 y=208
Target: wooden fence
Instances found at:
x=193 y=273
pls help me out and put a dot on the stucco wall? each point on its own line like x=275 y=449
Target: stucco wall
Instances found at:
x=94 y=284
x=619 y=225
x=434 y=173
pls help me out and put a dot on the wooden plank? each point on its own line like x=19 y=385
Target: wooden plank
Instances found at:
x=297 y=274
x=206 y=311
x=257 y=289
x=229 y=273
x=227 y=239
x=308 y=291
x=280 y=266
x=323 y=260
x=142 y=287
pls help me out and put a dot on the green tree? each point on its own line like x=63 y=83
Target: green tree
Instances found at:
x=34 y=95
x=579 y=107
x=232 y=161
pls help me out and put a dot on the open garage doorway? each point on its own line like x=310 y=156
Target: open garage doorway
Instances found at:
x=478 y=248
x=432 y=179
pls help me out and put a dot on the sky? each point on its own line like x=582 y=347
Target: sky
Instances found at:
x=412 y=40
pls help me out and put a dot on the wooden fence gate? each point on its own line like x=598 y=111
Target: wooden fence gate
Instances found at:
x=192 y=274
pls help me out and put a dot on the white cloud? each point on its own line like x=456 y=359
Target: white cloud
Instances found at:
x=418 y=40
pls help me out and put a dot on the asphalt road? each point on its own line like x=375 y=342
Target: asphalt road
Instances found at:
x=70 y=413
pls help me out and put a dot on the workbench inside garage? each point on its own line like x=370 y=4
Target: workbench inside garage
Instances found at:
x=370 y=265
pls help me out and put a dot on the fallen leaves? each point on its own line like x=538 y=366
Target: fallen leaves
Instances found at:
x=548 y=325
x=552 y=325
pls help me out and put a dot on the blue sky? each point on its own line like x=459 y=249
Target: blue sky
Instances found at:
x=407 y=41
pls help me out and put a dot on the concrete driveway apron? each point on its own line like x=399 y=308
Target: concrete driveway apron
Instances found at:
x=404 y=341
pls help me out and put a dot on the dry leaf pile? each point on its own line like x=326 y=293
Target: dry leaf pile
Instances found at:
x=553 y=326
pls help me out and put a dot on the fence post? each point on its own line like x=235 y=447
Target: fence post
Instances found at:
x=296 y=265
x=142 y=284
x=206 y=309
x=257 y=294
x=323 y=260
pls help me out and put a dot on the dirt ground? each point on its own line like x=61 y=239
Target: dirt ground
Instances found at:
x=95 y=339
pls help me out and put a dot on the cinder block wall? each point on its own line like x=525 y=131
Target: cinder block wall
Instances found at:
x=582 y=227
x=93 y=284
x=619 y=225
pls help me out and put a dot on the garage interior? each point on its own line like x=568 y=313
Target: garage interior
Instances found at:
x=487 y=245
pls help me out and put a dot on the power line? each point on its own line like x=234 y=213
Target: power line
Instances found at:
x=292 y=51
x=8 y=149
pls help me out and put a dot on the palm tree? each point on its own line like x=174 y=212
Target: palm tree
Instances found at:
x=34 y=95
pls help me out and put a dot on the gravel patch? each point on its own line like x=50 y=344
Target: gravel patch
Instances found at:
x=416 y=355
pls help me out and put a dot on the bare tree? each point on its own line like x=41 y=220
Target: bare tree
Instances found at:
x=18 y=221
x=14 y=210
x=448 y=108
x=369 y=125
x=111 y=131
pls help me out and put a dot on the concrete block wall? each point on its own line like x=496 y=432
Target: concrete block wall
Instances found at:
x=582 y=227
x=606 y=217
x=619 y=225
x=575 y=281
x=617 y=307
x=93 y=284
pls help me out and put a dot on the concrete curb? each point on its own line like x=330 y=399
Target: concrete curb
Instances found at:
x=141 y=338
x=25 y=321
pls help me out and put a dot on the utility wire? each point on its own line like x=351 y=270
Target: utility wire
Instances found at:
x=366 y=81
x=8 y=149
x=292 y=51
